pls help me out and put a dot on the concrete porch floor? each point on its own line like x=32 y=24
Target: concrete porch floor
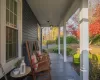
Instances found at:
x=61 y=70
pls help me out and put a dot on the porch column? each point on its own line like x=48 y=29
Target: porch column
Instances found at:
x=59 y=39
x=41 y=39
x=84 y=41
x=64 y=42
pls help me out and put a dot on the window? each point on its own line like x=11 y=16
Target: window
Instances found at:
x=11 y=30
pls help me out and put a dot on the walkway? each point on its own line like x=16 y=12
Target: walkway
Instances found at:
x=61 y=70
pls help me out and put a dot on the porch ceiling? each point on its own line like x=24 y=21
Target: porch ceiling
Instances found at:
x=50 y=10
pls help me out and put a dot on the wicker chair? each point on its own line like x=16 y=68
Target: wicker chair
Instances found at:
x=43 y=66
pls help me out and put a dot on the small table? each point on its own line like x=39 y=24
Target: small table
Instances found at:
x=28 y=70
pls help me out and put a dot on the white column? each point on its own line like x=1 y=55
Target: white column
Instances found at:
x=59 y=39
x=84 y=41
x=64 y=42
x=19 y=22
x=2 y=31
x=41 y=39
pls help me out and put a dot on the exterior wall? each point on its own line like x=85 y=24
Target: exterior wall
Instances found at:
x=30 y=28
x=27 y=30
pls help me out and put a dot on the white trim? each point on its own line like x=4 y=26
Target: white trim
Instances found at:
x=19 y=25
x=59 y=39
x=9 y=65
x=39 y=37
x=3 y=31
x=64 y=43
x=0 y=31
x=84 y=42
x=9 y=24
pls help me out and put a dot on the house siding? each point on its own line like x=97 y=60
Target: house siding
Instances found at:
x=30 y=28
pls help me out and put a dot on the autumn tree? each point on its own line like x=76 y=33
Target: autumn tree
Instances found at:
x=94 y=27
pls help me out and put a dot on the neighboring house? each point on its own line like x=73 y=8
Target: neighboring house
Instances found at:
x=17 y=25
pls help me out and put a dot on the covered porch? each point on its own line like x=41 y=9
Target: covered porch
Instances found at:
x=34 y=14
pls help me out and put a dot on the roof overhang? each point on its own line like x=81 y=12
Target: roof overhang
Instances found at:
x=53 y=12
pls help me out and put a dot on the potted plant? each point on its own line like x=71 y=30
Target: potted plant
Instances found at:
x=17 y=64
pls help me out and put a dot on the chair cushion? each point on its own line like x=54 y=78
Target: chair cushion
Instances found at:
x=34 y=61
x=39 y=54
x=43 y=67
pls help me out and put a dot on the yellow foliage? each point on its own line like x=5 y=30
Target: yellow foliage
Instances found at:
x=54 y=33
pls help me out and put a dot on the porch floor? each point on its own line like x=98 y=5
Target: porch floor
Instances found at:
x=61 y=70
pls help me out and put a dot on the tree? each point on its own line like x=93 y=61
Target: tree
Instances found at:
x=94 y=25
x=94 y=28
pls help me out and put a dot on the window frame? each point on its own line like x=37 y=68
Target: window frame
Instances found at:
x=8 y=25
x=8 y=66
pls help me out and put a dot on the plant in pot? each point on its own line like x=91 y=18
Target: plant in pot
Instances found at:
x=17 y=64
x=17 y=67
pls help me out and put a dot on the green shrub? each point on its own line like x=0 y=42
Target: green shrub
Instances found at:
x=76 y=57
x=69 y=50
x=69 y=40
x=95 y=40
x=51 y=41
x=96 y=57
x=44 y=51
x=61 y=40
x=94 y=67
x=55 y=50
x=94 y=72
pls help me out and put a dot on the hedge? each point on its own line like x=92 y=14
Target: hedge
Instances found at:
x=69 y=52
x=51 y=41
x=69 y=40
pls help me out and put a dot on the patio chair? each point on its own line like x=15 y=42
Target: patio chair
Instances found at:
x=40 y=55
x=43 y=66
